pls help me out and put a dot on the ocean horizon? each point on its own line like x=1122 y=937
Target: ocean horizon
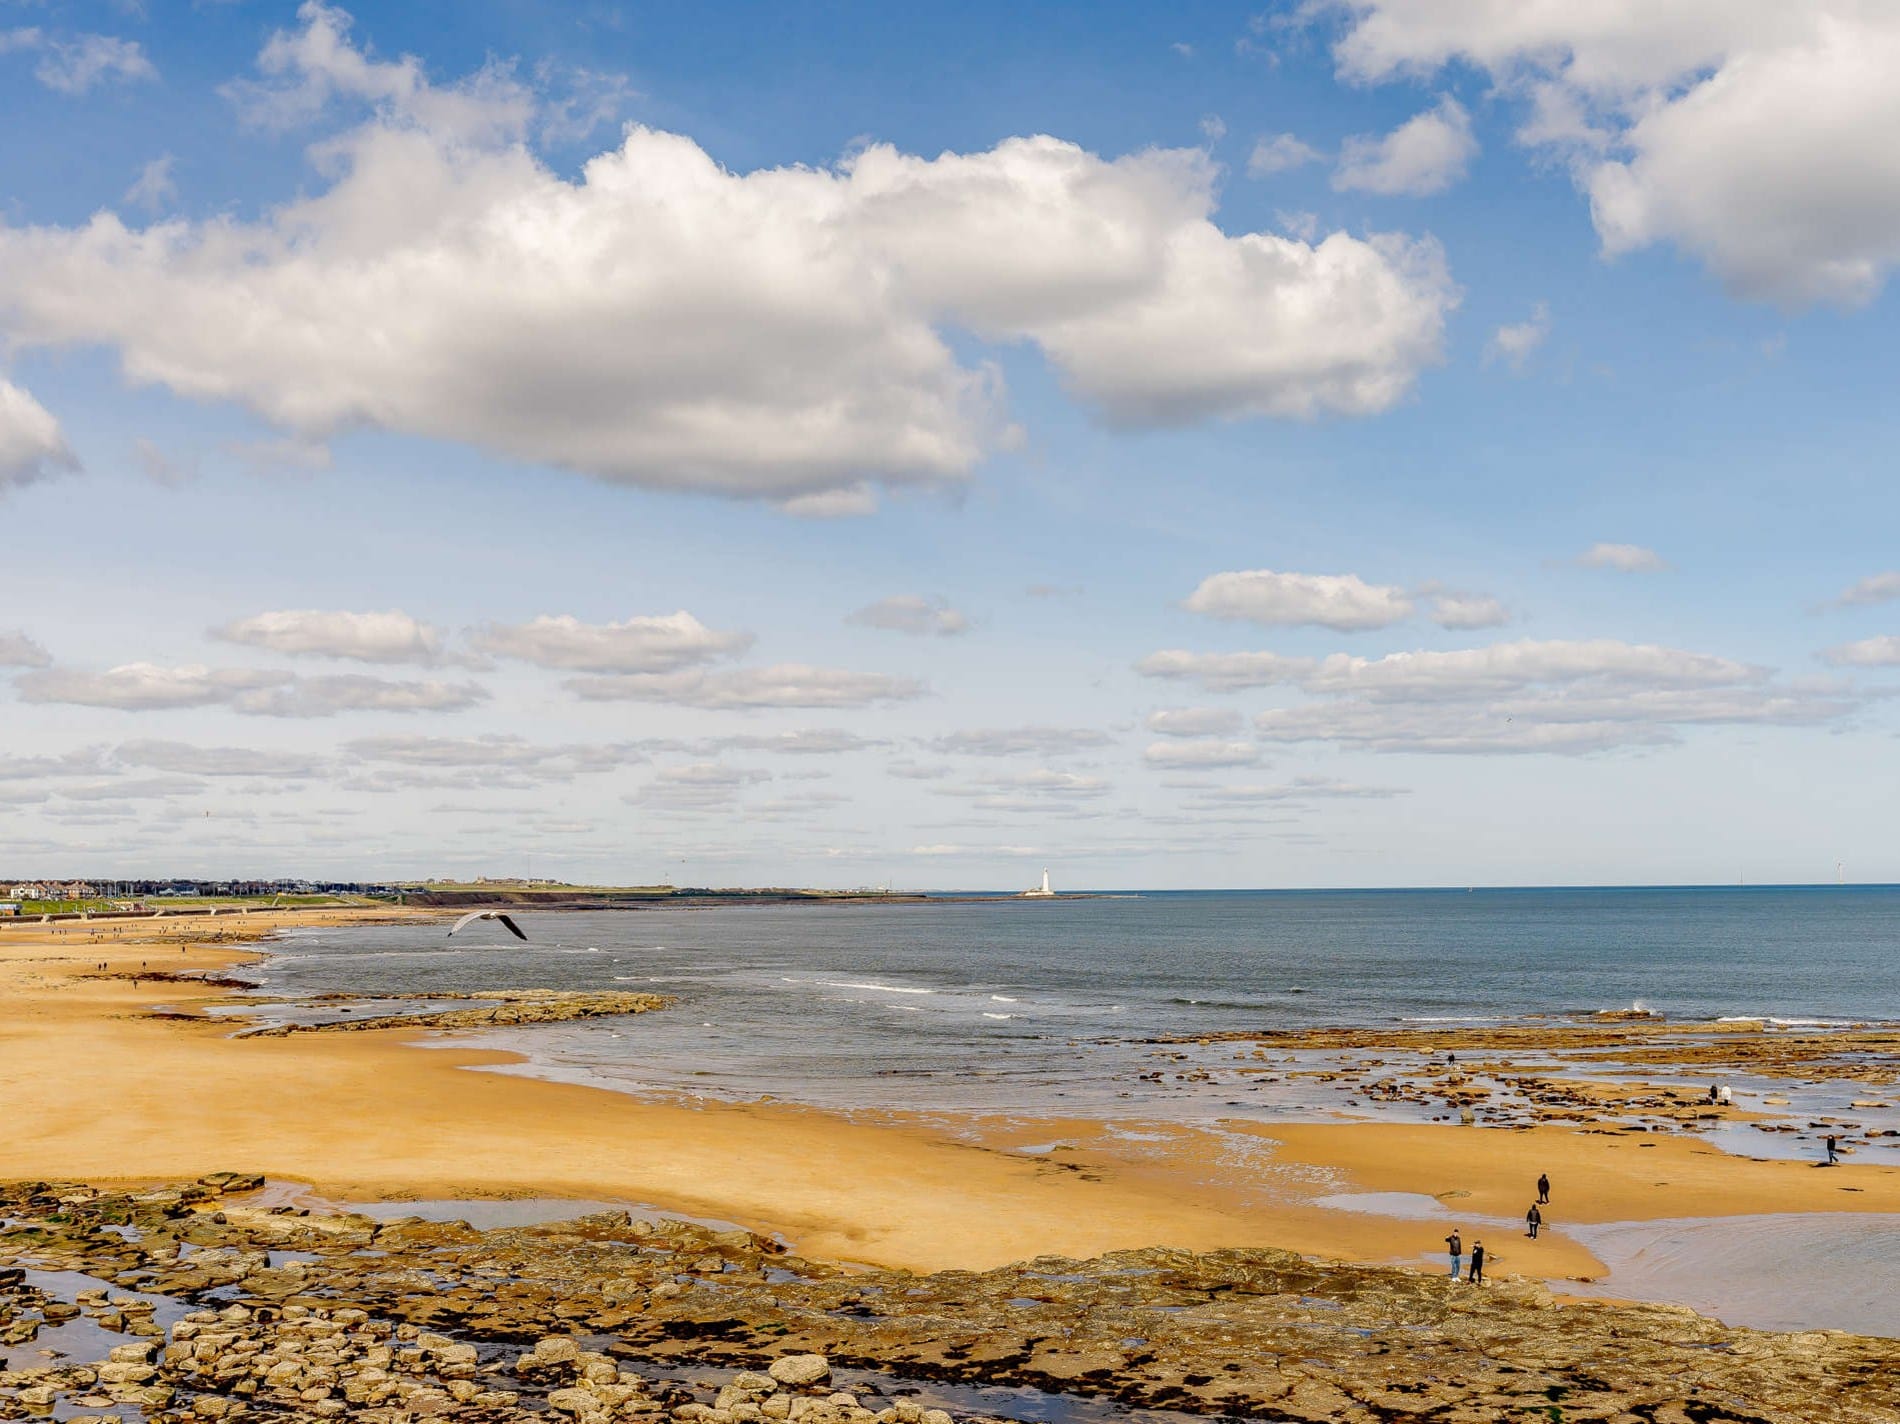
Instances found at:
x=979 y=1004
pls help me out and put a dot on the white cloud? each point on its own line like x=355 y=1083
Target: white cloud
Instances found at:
x=18 y=650
x=913 y=613
x=1466 y=672
x=356 y=692
x=917 y=771
x=1213 y=127
x=1524 y=696
x=147 y=687
x=701 y=785
x=1515 y=342
x=1344 y=602
x=497 y=753
x=1303 y=788
x=1039 y=790
x=306 y=70
x=586 y=100
x=1221 y=672
x=1623 y=558
x=76 y=64
x=811 y=741
x=140 y=687
x=89 y=762
x=649 y=644
x=1868 y=652
x=1744 y=132
x=852 y=501
x=781 y=685
x=148 y=788
x=392 y=637
x=1468 y=610
x=1194 y=721
x=707 y=773
x=1018 y=741
x=32 y=446
x=1426 y=154
x=944 y=848
x=1277 y=154
x=154 y=188
x=183 y=758
x=1875 y=588
x=1200 y=752
x=663 y=321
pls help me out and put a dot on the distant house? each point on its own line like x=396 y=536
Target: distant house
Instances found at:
x=9 y=907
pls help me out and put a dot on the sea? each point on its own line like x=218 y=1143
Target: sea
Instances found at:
x=1091 y=1007
x=969 y=1004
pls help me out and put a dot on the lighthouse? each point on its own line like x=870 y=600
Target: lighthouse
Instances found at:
x=1042 y=891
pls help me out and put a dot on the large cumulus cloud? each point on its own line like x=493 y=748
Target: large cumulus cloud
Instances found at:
x=665 y=321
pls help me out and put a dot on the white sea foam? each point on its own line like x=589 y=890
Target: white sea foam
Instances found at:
x=989 y=1015
x=880 y=988
x=1002 y=999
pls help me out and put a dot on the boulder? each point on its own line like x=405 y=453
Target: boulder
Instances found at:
x=800 y=1369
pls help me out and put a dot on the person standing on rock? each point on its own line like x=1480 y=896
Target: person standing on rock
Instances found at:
x=1543 y=1187
x=1477 y=1263
x=1533 y=1219
x=1455 y=1244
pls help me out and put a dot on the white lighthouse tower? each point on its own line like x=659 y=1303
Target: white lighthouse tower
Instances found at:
x=1042 y=891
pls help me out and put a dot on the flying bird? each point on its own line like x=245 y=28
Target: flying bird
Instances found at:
x=474 y=915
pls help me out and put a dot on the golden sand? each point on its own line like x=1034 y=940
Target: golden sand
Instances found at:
x=95 y=1088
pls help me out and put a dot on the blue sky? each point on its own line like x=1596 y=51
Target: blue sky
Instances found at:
x=763 y=444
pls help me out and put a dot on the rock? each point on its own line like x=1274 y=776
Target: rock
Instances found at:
x=800 y=1369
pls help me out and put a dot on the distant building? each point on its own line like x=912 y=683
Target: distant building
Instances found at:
x=1042 y=891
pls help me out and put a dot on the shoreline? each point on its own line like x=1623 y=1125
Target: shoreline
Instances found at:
x=145 y=1099
x=234 y=1303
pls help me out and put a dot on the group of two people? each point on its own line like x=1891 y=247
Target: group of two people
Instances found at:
x=1455 y=1243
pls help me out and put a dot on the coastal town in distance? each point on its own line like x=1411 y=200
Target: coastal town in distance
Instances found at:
x=857 y=713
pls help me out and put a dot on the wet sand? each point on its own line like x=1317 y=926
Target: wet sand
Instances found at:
x=98 y=1089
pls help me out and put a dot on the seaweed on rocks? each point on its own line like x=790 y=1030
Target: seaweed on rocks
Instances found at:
x=271 y=1313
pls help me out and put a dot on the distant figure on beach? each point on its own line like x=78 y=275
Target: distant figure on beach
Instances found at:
x=1543 y=1187
x=1715 y=1094
x=1455 y=1244
x=1533 y=1219
x=1833 y=1156
x=1727 y=1096
x=1477 y=1263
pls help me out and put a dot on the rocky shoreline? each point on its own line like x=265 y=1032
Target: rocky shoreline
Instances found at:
x=500 y=1008
x=204 y=1302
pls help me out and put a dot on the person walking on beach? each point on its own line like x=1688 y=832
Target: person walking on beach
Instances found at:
x=1477 y=1263
x=1833 y=1156
x=1456 y=1245
x=1543 y=1187
x=1533 y=1219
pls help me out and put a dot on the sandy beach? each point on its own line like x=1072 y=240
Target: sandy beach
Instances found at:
x=101 y=1089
